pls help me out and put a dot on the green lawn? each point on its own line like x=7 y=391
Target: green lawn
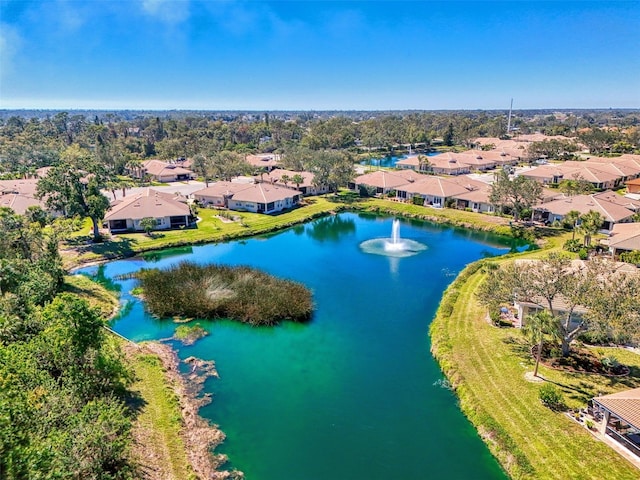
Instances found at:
x=159 y=422
x=487 y=366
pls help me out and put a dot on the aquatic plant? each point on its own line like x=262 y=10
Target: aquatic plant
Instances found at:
x=218 y=291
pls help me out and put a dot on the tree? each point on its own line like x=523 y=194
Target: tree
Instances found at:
x=543 y=283
x=73 y=187
x=297 y=179
x=148 y=224
x=590 y=223
x=423 y=163
x=572 y=218
x=285 y=179
x=448 y=136
x=518 y=194
x=577 y=186
x=537 y=327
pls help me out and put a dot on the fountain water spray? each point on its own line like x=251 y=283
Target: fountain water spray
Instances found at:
x=394 y=246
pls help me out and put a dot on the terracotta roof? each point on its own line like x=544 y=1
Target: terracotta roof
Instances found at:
x=25 y=187
x=149 y=203
x=158 y=168
x=448 y=161
x=388 y=179
x=435 y=186
x=625 y=236
x=621 y=200
x=263 y=159
x=635 y=181
x=583 y=204
x=219 y=189
x=264 y=193
x=19 y=203
x=624 y=405
x=276 y=175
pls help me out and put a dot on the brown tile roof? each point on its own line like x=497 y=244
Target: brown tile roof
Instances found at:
x=160 y=168
x=625 y=236
x=264 y=193
x=219 y=189
x=26 y=187
x=635 y=181
x=388 y=179
x=583 y=204
x=263 y=159
x=19 y=203
x=435 y=186
x=624 y=405
x=623 y=201
x=448 y=161
x=149 y=203
x=276 y=175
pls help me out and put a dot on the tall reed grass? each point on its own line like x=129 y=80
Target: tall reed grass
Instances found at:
x=218 y=291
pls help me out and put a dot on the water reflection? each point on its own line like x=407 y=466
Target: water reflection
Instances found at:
x=331 y=228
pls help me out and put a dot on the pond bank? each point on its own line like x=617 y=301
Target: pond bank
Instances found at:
x=129 y=245
x=157 y=452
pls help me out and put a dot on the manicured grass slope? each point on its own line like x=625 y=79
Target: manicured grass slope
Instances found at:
x=487 y=366
x=159 y=445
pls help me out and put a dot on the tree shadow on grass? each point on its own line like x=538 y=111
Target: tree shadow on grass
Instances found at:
x=122 y=247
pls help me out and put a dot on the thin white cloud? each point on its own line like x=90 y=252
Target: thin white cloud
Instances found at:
x=10 y=43
x=168 y=11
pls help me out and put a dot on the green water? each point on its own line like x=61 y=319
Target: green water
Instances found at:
x=353 y=394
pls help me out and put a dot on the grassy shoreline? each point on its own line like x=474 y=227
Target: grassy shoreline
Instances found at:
x=486 y=365
x=212 y=229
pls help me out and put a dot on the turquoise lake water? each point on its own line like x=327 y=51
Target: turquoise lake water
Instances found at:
x=354 y=393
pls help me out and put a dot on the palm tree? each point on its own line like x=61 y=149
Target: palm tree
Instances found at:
x=590 y=223
x=285 y=179
x=572 y=218
x=537 y=327
x=423 y=163
x=297 y=179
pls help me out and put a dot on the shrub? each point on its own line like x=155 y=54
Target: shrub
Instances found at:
x=583 y=254
x=551 y=397
x=573 y=246
x=610 y=362
x=418 y=201
x=631 y=257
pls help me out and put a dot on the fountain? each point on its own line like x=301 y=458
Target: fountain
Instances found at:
x=394 y=246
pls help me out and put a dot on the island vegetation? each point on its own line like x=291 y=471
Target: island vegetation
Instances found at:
x=219 y=291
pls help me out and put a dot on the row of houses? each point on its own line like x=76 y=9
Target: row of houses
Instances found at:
x=601 y=172
x=464 y=192
x=270 y=194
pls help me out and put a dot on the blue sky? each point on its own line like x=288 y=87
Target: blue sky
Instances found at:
x=318 y=55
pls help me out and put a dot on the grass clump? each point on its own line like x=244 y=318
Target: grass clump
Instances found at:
x=188 y=334
x=217 y=291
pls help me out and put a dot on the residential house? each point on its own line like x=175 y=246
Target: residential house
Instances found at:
x=624 y=237
x=385 y=181
x=162 y=171
x=447 y=164
x=20 y=194
x=169 y=211
x=620 y=418
x=266 y=161
x=633 y=186
x=476 y=160
x=218 y=194
x=307 y=187
x=435 y=191
x=611 y=211
x=264 y=198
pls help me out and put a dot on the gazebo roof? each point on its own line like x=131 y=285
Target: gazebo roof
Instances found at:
x=624 y=405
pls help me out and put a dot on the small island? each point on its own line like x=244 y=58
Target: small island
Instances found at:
x=218 y=291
